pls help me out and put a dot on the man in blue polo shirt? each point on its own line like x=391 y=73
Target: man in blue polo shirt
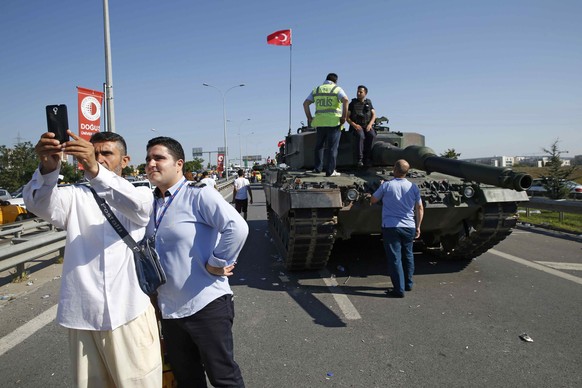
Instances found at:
x=402 y=213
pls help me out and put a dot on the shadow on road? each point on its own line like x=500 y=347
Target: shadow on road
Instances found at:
x=357 y=266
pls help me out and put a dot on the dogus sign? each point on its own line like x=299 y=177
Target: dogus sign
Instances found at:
x=89 y=109
x=89 y=112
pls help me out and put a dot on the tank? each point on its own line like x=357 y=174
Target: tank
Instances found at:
x=469 y=208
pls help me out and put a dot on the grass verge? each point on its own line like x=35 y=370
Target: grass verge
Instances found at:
x=571 y=222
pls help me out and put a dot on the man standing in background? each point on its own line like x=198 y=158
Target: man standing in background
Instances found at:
x=241 y=193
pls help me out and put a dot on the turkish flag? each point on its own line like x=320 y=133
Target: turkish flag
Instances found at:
x=280 y=38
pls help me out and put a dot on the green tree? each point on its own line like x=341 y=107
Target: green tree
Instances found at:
x=70 y=173
x=17 y=165
x=555 y=181
x=450 y=154
x=193 y=165
x=127 y=171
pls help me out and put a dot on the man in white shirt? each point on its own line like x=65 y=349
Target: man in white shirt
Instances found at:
x=241 y=193
x=113 y=334
x=207 y=180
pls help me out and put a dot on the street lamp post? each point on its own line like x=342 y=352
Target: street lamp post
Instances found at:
x=223 y=95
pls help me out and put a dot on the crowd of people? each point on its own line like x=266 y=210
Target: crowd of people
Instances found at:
x=112 y=325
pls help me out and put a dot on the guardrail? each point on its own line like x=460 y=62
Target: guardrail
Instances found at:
x=224 y=184
x=16 y=255
x=560 y=206
x=16 y=229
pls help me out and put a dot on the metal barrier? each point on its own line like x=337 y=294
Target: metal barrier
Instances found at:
x=560 y=206
x=16 y=255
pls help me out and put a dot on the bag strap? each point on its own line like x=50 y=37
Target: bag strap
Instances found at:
x=114 y=221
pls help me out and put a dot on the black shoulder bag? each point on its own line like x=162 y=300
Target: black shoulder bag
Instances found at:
x=150 y=273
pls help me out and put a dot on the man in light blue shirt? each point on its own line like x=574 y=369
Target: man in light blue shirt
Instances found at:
x=198 y=237
x=402 y=213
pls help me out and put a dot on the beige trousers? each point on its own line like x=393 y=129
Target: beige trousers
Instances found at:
x=128 y=356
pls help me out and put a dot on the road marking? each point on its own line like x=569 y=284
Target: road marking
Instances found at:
x=28 y=329
x=564 y=266
x=341 y=299
x=347 y=308
x=536 y=266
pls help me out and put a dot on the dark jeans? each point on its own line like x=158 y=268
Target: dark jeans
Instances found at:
x=364 y=145
x=202 y=343
x=398 y=246
x=327 y=138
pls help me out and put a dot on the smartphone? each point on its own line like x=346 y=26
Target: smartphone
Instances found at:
x=57 y=121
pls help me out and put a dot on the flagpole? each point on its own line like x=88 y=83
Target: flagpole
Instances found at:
x=290 y=66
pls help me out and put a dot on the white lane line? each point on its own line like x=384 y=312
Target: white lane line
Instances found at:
x=28 y=329
x=347 y=308
x=564 y=266
x=342 y=300
x=536 y=266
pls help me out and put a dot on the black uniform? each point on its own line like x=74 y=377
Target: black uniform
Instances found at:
x=361 y=113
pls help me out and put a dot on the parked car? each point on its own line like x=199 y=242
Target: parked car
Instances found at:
x=538 y=189
x=145 y=183
x=575 y=189
x=17 y=200
x=4 y=195
x=11 y=213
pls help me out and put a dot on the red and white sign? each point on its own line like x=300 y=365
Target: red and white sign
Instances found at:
x=220 y=163
x=89 y=110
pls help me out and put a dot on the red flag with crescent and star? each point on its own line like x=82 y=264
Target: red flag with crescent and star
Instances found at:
x=280 y=38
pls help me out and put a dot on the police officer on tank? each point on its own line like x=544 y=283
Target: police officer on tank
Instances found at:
x=331 y=105
x=361 y=117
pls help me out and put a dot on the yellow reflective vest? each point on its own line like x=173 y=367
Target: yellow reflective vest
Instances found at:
x=328 y=108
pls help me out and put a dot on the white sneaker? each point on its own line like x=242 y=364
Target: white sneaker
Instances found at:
x=335 y=173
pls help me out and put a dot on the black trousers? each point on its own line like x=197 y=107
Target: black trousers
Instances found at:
x=203 y=343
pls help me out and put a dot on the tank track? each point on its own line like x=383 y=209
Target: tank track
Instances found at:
x=304 y=237
x=494 y=224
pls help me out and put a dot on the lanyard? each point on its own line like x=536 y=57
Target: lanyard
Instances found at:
x=164 y=207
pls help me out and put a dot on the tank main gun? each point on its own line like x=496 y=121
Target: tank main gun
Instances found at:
x=424 y=158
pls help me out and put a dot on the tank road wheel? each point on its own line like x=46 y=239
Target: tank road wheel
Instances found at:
x=493 y=224
x=305 y=237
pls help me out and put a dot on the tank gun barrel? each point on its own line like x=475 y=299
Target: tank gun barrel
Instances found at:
x=424 y=158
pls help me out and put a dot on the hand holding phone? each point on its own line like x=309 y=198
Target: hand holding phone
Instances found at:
x=58 y=121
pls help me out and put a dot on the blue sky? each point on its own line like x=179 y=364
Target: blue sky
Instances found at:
x=483 y=77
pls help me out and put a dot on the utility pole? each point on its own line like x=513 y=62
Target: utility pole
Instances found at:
x=110 y=111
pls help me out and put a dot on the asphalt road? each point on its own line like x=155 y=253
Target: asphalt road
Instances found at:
x=460 y=326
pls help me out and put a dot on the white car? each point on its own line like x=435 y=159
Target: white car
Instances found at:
x=17 y=200
x=4 y=195
x=538 y=189
x=145 y=183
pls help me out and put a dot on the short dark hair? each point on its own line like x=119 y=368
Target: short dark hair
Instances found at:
x=204 y=174
x=240 y=172
x=363 y=87
x=174 y=147
x=332 y=77
x=100 y=137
